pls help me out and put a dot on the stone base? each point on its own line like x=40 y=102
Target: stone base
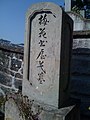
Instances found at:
x=67 y=113
x=12 y=112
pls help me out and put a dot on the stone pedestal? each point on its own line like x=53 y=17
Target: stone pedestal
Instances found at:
x=47 y=113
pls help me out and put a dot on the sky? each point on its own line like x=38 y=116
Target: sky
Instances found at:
x=12 y=18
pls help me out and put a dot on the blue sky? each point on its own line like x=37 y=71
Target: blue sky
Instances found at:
x=12 y=18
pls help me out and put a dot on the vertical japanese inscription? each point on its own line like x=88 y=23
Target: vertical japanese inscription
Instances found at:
x=43 y=22
x=42 y=59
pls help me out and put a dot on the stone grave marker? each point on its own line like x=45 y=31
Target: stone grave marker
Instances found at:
x=48 y=43
x=46 y=78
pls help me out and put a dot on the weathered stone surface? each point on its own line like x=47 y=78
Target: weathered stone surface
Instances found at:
x=47 y=54
x=11 y=111
x=47 y=113
x=80 y=23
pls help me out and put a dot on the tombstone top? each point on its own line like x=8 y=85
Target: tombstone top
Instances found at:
x=43 y=6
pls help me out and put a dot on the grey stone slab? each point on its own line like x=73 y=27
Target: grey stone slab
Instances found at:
x=48 y=113
x=48 y=43
x=12 y=111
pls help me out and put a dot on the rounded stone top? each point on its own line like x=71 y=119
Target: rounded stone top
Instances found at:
x=44 y=6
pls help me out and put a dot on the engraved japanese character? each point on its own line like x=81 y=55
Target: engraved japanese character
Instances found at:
x=43 y=20
x=41 y=42
x=41 y=54
x=41 y=65
x=42 y=32
x=41 y=79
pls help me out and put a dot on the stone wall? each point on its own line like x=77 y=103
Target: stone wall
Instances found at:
x=11 y=66
x=80 y=23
